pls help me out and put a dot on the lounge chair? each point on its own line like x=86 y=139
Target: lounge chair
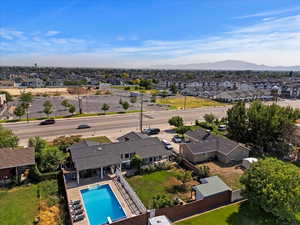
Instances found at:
x=77 y=212
x=78 y=218
x=74 y=207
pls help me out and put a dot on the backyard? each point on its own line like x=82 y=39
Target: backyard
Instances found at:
x=22 y=205
x=229 y=174
x=159 y=183
x=237 y=214
x=191 y=102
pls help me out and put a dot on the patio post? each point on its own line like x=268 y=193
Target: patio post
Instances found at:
x=77 y=176
x=101 y=172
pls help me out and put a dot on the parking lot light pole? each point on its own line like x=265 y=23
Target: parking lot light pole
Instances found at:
x=141 y=113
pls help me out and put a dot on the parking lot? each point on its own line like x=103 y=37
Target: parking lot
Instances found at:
x=90 y=104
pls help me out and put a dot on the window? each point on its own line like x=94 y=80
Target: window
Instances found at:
x=126 y=155
x=121 y=156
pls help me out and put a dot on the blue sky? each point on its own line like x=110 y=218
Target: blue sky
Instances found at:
x=141 y=33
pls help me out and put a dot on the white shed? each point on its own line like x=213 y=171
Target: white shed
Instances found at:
x=159 y=220
x=248 y=161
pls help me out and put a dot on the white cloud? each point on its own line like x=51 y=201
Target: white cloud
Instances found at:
x=11 y=34
x=270 y=13
x=51 y=33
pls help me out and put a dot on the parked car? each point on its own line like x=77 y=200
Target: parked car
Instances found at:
x=167 y=144
x=177 y=139
x=222 y=127
x=83 y=126
x=151 y=131
x=47 y=122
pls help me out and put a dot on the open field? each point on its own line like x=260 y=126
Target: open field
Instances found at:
x=37 y=91
x=158 y=183
x=229 y=174
x=21 y=205
x=136 y=89
x=191 y=102
x=237 y=214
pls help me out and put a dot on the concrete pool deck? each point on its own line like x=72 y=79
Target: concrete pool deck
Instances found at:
x=73 y=193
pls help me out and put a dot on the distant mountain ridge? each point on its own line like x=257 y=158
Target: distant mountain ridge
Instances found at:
x=227 y=65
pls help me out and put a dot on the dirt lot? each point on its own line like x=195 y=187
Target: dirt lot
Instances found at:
x=229 y=174
x=36 y=91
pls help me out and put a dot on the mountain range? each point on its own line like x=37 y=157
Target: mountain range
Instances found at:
x=227 y=65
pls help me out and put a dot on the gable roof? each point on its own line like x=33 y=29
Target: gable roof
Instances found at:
x=10 y=158
x=203 y=141
x=211 y=186
x=132 y=136
x=95 y=156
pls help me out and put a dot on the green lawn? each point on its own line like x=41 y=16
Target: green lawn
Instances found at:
x=101 y=139
x=231 y=215
x=19 y=206
x=149 y=185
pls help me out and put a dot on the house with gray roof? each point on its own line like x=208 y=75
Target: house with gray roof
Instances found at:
x=203 y=146
x=91 y=158
x=132 y=136
x=210 y=186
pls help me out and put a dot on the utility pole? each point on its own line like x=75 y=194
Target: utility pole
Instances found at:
x=141 y=114
x=184 y=106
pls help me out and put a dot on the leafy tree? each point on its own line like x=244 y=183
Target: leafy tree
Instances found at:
x=48 y=108
x=273 y=186
x=184 y=177
x=64 y=142
x=51 y=158
x=125 y=105
x=176 y=121
x=174 y=89
x=38 y=144
x=209 y=118
x=136 y=162
x=7 y=138
x=19 y=111
x=65 y=103
x=9 y=97
x=182 y=130
x=146 y=83
x=161 y=201
x=164 y=94
x=105 y=107
x=26 y=98
x=133 y=99
x=202 y=172
x=72 y=109
x=153 y=97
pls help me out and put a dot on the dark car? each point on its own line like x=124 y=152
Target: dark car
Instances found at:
x=152 y=131
x=47 y=122
x=83 y=126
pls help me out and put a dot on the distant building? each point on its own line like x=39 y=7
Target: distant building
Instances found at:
x=33 y=83
x=2 y=100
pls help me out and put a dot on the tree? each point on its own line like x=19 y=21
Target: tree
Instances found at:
x=273 y=186
x=26 y=98
x=38 y=144
x=64 y=142
x=125 y=105
x=184 y=177
x=202 y=172
x=176 y=121
x=146 y=83
x=164 y=94
x=19 y=111
x=65 y=103
x=105 y=107
x=51 y=158
x=182 y=130
x=161 y=201
x=7 y=138
x=153 y=97
x=174 y=89
x=133 y=99
x=136 y=162
x=48 y=108
x=209 y=118
x=72 y=109
x=8 y=96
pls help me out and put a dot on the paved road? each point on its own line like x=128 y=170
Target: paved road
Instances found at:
x=110 y=124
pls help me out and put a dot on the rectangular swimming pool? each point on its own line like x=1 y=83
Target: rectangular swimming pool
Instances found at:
x=100 y=203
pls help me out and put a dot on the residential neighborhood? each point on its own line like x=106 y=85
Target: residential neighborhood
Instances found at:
x=174 y=112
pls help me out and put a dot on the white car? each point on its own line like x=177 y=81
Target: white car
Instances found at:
x=222 y=128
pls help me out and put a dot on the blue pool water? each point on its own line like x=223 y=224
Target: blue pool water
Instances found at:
x=100 y=203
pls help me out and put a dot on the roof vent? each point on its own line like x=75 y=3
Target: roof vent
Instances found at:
x=99 y=149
